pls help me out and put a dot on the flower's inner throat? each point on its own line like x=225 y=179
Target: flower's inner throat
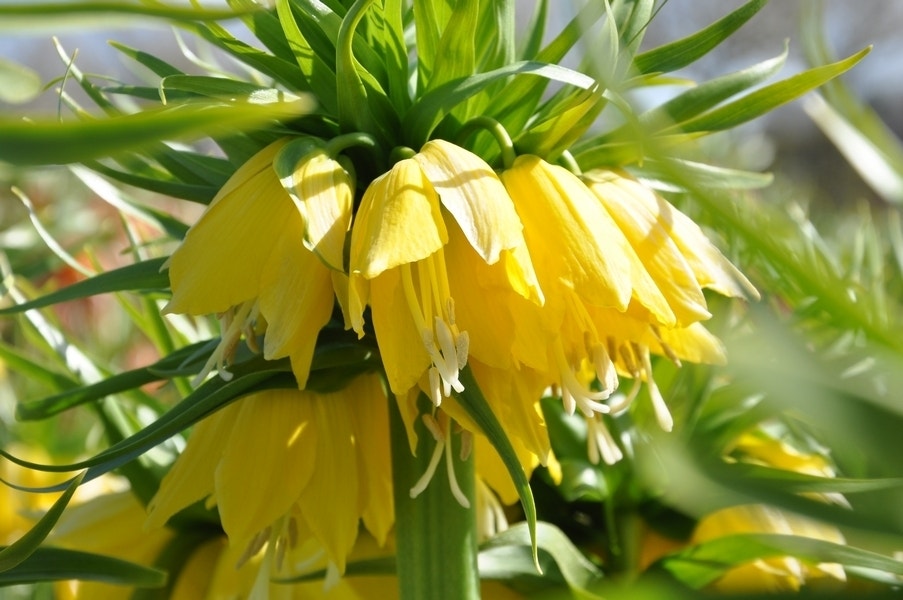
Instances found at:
x=433 y=310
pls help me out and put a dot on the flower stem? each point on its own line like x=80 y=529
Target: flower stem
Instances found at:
x=506 y=145
x=435 y=536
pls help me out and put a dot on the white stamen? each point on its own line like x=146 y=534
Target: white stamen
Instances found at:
x=452 y=480
x=430 y=471
x=662 y=414
x=601 y=443
x=435 y=391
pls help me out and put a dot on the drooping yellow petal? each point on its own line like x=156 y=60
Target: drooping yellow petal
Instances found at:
x=711 y=268
x=652 y=242
x=371 y=426
x=209 y=276
x=296 y=301
x=330 y=507
x=694 y=344
x=397 y=223
x=325 y=198
x=271 y=451
x=191 y=478
x=194 y=577
x=471 y=191
x=573 y=240
x=400 y=343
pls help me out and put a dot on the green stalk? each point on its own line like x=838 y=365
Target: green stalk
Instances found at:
x=436 y=537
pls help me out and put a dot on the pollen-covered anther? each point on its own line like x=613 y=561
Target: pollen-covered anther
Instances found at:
x=444 y=356
x=575 y=395
x=605 y=368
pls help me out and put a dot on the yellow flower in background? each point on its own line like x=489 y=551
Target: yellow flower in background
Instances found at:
x=779 y=573
x=18 y=509
x=284 y=465
x=444 y=205
x=257 y=256
x=109 y=523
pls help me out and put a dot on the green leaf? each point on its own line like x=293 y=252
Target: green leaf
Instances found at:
x=18 y=84
x=507 y=557
x=10 y=13
x=51 y=142
x=699 y=565
x=224 y=88
x=57 y=564
x=314 y=68
x=678 y=54
x=770 y=97
x=144 y=275
x=207 y=399
x=157 y=66
x=430 y=108
x=711 y=93
x=16 y=361
x=177 y=364
x=472 y=401
x=21 y=549
x=703 y=175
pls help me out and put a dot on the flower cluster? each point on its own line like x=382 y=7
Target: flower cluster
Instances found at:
x=535 y=278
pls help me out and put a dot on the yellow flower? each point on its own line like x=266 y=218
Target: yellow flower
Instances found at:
x=768 y=574
x=289 y=463
x=622 y=273
x=19 y=510
x=108 y=524
x=259 y=254
x=418 y=225
x=780 y=573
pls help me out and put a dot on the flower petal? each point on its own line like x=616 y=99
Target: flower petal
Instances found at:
x=191 y=477
x=272 y=452
x=400 y=343
x=324 y=199
x=397 y=223
x=471 y=191
x=296 y=301
x=330 y=503
x=651 y=240
x=208 y=276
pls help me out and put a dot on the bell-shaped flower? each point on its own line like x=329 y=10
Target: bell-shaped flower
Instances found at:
x=261 y=251
x=333 y=450
x=417 y=226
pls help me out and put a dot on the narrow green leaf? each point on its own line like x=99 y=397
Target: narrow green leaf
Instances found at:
x=472 y=400
x=207 y=399
x=315 y=70
x=532 y=41
x=43 y=10
x=224 y=88
x=57 y=564
x=703 y=175
x=678 y=54
x=51 y=142
x=162 y=184
x=506 y=557
x=16 y=361
x=158 y=67
x=144 y=275
x=426 y=113
x=711 y=93
x=455 y=53
x=702 y=564
x=767 y=98
x=21 y=549
x=177 y=364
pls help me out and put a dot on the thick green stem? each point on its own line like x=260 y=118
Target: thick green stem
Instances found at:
x=435 y=536
x=506 y=145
